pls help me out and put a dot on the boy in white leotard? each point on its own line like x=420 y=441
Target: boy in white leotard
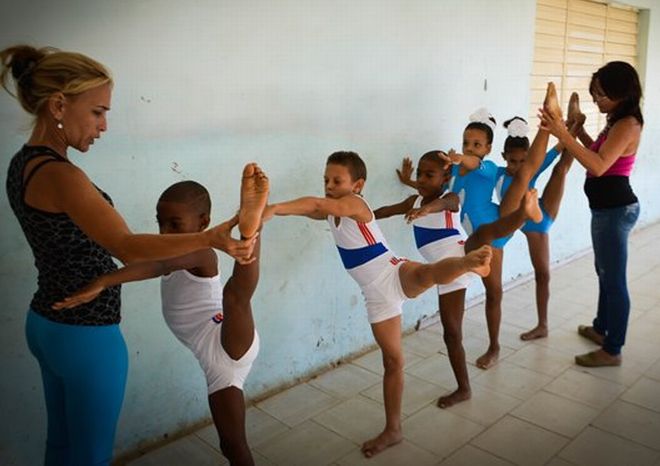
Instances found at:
x=435 y=217
x=216 y=324
x=385 y=280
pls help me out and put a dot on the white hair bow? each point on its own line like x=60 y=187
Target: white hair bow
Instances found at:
x=518 y=128
x=483 y=116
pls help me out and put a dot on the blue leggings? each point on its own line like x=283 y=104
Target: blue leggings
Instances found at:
x=84 y=376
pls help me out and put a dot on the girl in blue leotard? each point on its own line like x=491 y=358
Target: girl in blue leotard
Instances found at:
x=473 y=179
x=516 y=146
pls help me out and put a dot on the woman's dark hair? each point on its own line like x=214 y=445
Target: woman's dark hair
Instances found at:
x=483 y=127
x=620 y=81
x=514 y=142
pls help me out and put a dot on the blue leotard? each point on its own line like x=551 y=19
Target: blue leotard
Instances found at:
x=504 y=182
x=475 y=191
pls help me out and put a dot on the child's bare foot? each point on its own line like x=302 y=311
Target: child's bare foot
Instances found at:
x=551 y=102
x=540 y=331
x=574 y=127
x=461 y=394
x=384 y=440
x=530 y=203
x=254 y=196
x=573 y=109
x=488 y=359
x=478 y=261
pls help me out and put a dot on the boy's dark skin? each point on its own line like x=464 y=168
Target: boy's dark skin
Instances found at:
x=237 y=332
x=430 y=183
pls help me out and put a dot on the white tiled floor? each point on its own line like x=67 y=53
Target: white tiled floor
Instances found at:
x=534 y=407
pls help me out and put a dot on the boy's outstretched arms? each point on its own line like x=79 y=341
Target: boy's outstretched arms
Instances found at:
x=137 y=271
x=449 y=201
x=318 y=208
x=395 y=209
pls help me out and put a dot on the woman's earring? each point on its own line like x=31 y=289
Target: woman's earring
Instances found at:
x=60 y=125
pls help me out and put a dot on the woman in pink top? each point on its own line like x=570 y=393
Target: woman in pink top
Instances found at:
x=616 y=90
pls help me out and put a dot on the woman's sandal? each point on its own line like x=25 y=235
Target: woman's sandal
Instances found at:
x=588 y=332
x=598 y=358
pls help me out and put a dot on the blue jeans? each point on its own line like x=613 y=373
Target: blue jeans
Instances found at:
x=83 y=369
x=609 y=235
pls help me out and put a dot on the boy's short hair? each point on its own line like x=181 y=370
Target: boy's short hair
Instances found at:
x=352 y=161
x=434 y=156
x=188 y=192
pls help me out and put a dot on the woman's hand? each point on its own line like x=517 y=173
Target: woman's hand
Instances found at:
x=240 y=250
x=82 y=296
x=577 y=124
x=555 y=125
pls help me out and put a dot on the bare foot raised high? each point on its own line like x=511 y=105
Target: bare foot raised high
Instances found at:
x=574 y=113
x=551 y=102
x=254 y=196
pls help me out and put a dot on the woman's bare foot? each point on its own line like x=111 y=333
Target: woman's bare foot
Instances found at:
x=385 y=439
x=478 y=261
x=460 y=394
x=590 y=333
x=540 y=331
x=530 y=203
x=551 y=102
x=254 y=196
x=488 y=359
x=598 y=358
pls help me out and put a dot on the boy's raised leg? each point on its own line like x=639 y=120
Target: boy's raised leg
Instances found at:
x=417 y=278
x=237 y=333
x=238 y=324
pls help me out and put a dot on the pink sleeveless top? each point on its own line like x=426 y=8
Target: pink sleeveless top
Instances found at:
x=622 y=166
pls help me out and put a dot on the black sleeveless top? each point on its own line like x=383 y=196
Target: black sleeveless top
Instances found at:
x=65 y=257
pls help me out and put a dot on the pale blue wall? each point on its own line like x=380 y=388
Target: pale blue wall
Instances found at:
x=203 y=87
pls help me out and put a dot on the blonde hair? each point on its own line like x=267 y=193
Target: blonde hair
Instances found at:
x=40 y=73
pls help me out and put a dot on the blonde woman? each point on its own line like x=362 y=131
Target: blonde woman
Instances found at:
x=74 y=231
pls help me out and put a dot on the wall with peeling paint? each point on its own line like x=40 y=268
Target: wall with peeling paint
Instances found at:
x=204 y=87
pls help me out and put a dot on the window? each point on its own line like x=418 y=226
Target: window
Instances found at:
x=573 y=39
